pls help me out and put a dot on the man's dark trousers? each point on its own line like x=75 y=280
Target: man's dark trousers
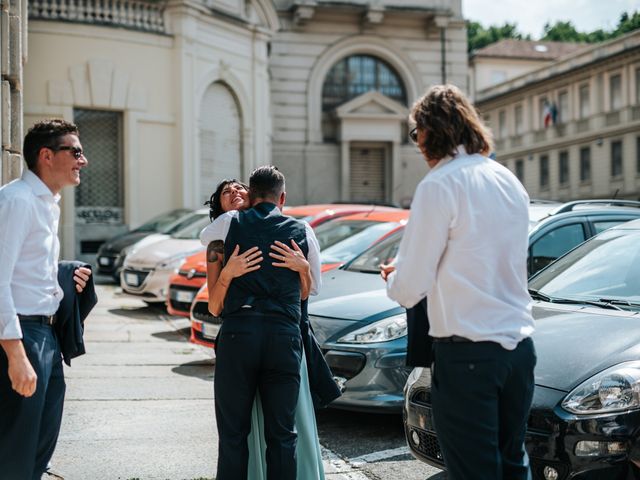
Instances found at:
x=29 y=427
x=257 y=352
x=481 y=394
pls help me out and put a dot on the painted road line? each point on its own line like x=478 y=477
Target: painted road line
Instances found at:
x=377 y=456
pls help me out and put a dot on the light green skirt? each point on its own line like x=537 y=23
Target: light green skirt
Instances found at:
x=308 y=447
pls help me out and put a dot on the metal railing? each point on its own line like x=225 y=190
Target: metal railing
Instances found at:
x=135 y=15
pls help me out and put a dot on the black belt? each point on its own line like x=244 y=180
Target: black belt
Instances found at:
x=452 y=339
x=42 y=319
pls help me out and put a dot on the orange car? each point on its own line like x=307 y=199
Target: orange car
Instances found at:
x=366 y=223
x=204 y=326
x=342 y=239
x=184 y=285
x=318 y=214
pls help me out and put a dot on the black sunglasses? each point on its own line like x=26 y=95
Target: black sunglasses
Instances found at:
x=77 y=152
x=413 y=135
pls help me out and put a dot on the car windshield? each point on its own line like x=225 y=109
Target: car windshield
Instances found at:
x=192 y=232
x=186 y=222
x=604 y=269
x=162 y=222
x=351 y=246
x=382 y=252
x=332 y=232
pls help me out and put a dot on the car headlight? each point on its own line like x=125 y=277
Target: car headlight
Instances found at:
x=614 y=389
x=171 y=263
x=381 y=331
x=411 y=379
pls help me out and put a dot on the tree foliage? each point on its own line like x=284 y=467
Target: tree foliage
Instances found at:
x=480 y=37
x=560 y=31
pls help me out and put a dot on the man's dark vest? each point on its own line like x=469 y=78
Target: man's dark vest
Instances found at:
x=269 y=289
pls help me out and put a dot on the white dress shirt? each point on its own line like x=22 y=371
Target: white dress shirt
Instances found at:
x=465 y=248
x=219 y=229
x=29 y=249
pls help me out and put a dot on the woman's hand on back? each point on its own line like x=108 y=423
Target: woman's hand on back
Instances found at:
x=239 y=264
x=291 y=258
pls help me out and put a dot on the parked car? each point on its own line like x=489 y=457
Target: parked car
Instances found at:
x=342 y=239
x=112 y=253
x=353 y=301
x=343 y=233
x=585 y=418
x=318 y=214
x=184 y=285
x=570 y=224
x=204 y=326
x=146 y=271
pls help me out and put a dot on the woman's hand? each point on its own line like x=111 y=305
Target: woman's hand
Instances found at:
x=238 y=265
x=291 y=258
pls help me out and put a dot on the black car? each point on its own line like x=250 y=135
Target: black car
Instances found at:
x=111 y=253
x=363 y=333
x=585 y=419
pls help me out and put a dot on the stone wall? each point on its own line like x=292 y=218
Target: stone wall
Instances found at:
x=13 y=53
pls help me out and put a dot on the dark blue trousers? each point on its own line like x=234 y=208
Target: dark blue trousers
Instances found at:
x=29 y=427
x=257 y=352
x=481 y=396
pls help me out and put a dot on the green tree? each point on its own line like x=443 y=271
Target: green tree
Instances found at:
x=560 y=31
x=479 y=37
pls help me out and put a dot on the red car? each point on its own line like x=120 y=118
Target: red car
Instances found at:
x=184 y=285
x=364 y=223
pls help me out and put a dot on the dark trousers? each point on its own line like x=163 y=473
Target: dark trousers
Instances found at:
x=257 y=352
x=29 y=427
x=481 y=395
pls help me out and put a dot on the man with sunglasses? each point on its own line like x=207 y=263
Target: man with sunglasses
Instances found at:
x=31 y=377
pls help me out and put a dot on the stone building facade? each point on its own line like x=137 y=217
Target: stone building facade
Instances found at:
x=571 y=130
x=343 y=76
x=13 y=54
x=171 y=97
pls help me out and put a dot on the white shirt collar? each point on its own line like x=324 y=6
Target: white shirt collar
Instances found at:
x=39 y=188
x=460 y=150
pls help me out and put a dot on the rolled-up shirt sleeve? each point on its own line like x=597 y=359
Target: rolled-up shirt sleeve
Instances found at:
x=15 y=220
x=423 y=244
x=313 y=257
x=218 y=229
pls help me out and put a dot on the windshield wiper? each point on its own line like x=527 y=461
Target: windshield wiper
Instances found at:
x=619 y=301
x=602 y=303
x=536 y=295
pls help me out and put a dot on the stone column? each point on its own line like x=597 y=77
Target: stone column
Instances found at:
x=13 y=17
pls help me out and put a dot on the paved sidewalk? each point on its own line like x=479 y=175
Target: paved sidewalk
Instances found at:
x=139 y=404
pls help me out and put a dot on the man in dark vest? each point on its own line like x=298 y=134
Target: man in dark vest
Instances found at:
x=259 y=345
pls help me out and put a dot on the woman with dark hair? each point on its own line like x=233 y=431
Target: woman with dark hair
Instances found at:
x=234 y=195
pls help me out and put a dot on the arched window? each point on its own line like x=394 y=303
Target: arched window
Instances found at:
x=351 y=77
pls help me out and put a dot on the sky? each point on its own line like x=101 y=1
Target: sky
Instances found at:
x=531 y=15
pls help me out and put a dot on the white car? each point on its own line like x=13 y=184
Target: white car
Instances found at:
x=147 y=269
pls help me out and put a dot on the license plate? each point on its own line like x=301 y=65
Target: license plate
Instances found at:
x=105 y=261
x=210 y=331
x=131 y=279
x=182 y=296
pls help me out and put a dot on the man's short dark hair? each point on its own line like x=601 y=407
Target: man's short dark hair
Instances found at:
x=45 y=134
x=266 y=182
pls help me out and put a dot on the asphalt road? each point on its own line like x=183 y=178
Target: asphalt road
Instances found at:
x=139 y=405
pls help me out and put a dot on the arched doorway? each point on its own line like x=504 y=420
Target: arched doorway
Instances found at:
x=219 y=137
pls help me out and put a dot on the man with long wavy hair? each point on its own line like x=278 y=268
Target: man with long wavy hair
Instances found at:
x=465 y=249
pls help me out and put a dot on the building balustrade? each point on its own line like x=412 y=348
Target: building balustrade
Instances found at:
x=136 y=15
